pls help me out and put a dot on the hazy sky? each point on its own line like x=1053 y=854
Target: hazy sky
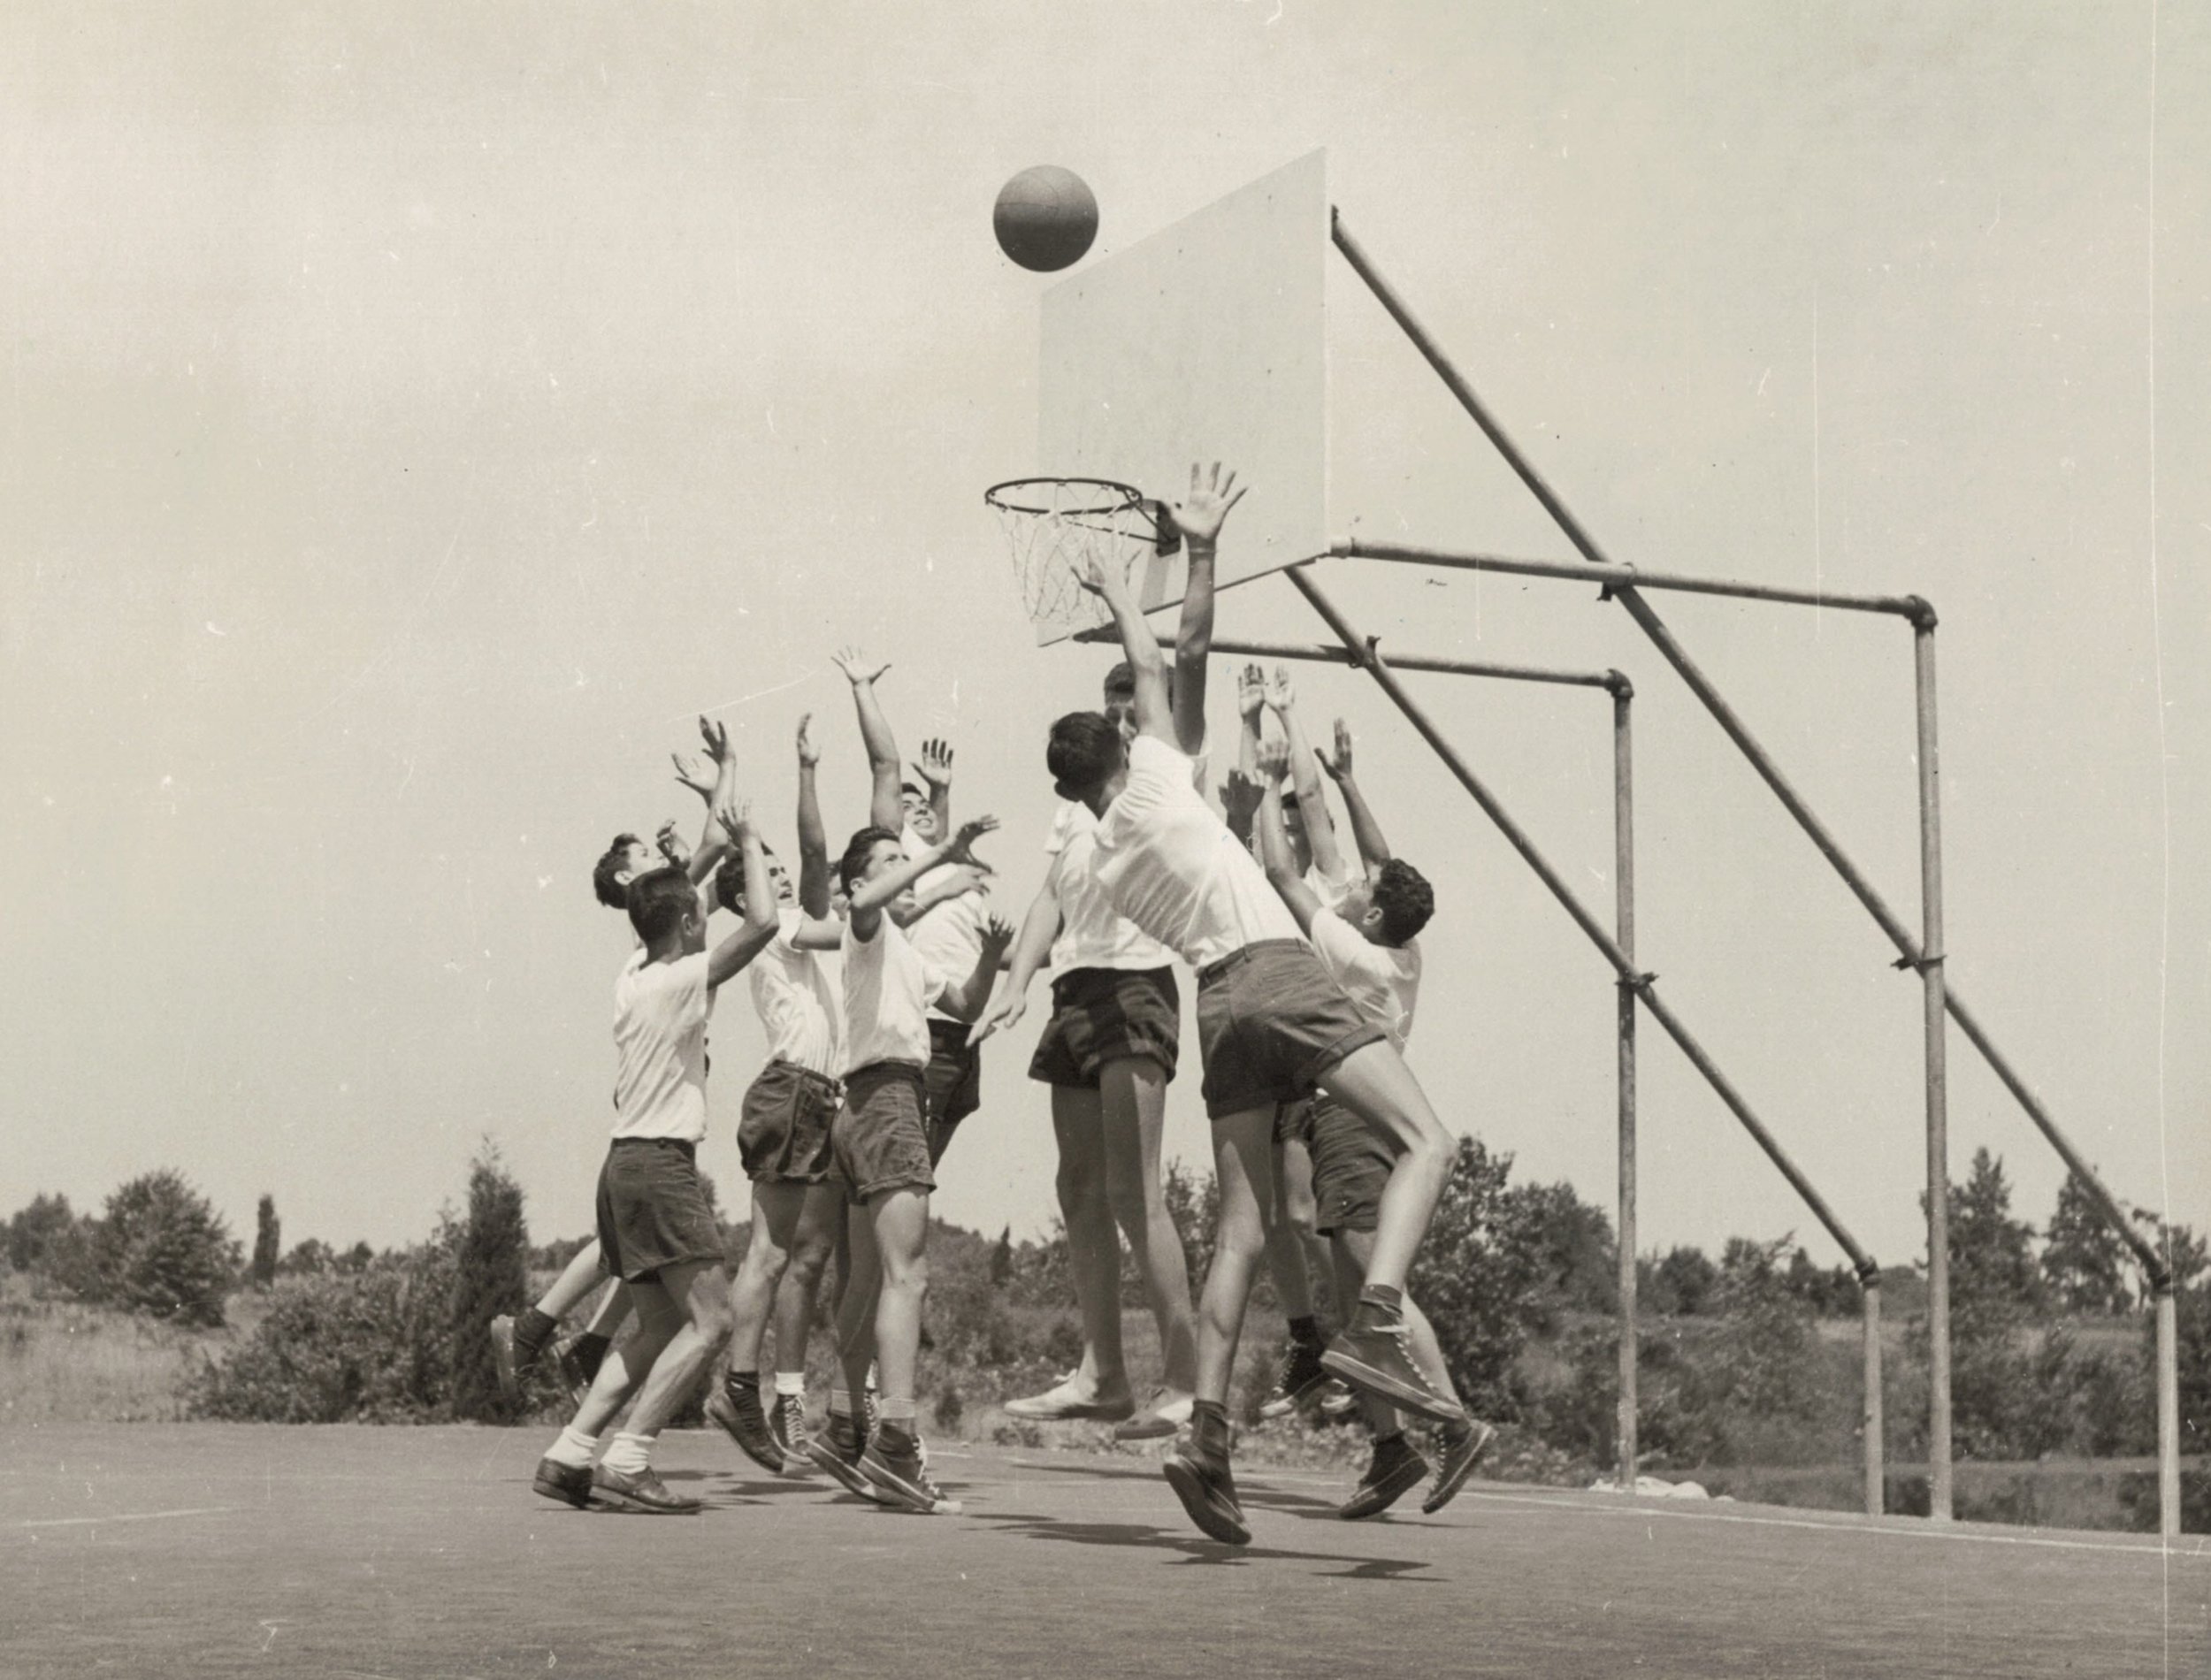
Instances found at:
x=416 y=414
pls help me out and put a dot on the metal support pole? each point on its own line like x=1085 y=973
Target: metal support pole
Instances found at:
x=1329 y=654
x=1641 y=984
x=1930 y=967
x=1615 y=576
x=2167 y=1417
x=1624 y=932
x=1876 y=1491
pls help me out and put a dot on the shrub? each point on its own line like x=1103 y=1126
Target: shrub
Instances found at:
x=268 y=1242
x=161 y=1249
x=491 y=1275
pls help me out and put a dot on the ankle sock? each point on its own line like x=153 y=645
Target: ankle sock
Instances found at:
x=791 y=1382
x=1305 y=1330
x=532 y=1330
x=573 y=1449
x=630 y=1454
x=739 y=1381
x=1381 y=1294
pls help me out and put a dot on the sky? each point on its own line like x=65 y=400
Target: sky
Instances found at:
x=417 y=416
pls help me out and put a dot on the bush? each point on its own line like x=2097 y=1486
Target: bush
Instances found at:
x=490 y=1276
x=161 y=1249
x=53 y=1247
x=370 y=1345
x=268 y=1242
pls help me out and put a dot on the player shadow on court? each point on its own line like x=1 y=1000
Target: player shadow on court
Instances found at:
x=1306 y=1507
x=1197 y=1550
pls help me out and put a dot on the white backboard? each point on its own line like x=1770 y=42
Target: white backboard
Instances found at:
x=1205 y=341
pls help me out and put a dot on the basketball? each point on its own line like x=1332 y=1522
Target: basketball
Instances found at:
x=1045 y=217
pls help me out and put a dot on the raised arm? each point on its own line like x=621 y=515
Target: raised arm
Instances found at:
x=712 y=775
x=760 y=925
x=1366 y=835
x=1039 y=927
x=884 y=808
x=1149 y=670
x=957 y=879
x=870 y=897
x=1281 y=868
x=965 y=1001
x=813 y=864
x=1312 y=803
x=1198 y=517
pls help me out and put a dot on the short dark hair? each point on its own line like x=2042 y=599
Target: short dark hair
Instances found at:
x=916 y=789
x=610 y=892
x=1120 y=682
x=659 y=901
x=1082 y=751
x=1406 y=901
x=729 y=880
x=859 y=850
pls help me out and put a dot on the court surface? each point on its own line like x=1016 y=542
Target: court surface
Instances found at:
x=205 y=1549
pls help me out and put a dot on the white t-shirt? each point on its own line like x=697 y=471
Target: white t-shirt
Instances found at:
x=1092 y=934
x=948 y=935
x=1383 y=981
x=1332 y=891
x=660 y=1039
x=798 y=1007
x=1168 y=863
x=886 y=990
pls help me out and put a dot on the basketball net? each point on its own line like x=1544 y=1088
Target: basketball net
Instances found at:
x=1056 y=527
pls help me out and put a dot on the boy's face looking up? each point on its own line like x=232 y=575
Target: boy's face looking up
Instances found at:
x=921 y=815
x=1293 y=829
x=637 y=859
x=882 y=856
x=781 y=877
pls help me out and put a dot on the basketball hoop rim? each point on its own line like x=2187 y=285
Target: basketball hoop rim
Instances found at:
x=1125 y=496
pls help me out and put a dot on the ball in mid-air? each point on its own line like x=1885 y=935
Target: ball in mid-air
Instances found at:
x=1045 y=217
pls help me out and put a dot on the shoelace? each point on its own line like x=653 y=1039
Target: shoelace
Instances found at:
x=792 y=1412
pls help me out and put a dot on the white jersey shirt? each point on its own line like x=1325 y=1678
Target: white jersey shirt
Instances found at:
x=798 y=1007
x=1332 y=891
x=1168 y=863
x=1092 y=934
x=1382 y=981
x=885 y=999
x=660 y=1011
x=948 y=935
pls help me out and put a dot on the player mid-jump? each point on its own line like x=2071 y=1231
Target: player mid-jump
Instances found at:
x=1270 y=1024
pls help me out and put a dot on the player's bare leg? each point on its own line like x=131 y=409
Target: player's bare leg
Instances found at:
x=1132 y=1093
x=1098 y=1386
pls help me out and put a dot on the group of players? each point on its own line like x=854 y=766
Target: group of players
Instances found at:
x=1307 y=972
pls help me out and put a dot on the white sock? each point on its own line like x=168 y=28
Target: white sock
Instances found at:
x=840 y=1400
x=573 y=1449
x=630 y=1454
x=791 y=1382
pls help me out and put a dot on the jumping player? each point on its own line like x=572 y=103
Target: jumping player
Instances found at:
x=880 y=1145
x=783 y=1140
x=655 y=1225
x=1368 y=944
x=1272 y=1025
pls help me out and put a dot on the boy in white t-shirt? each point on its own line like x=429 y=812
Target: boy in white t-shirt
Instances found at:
x=879 y=1144
x=782 y=1138
x=656 y=1228
x=1368 y=944
x=1272 y=1025
x=1108 y=1053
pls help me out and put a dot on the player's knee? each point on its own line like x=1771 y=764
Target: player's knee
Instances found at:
x=712 y=1320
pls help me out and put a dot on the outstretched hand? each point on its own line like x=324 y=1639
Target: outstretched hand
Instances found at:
x=1240 y=797
x=693 y=772
x=735 y=816
x=1274 y=760
x=810 y=755
x=1092 y=572
x=716 y=733
x=1340 y=766
x=670 y=844
x=1280 y=695
x=997 y=935
x=857 y=666
x=1004 y=1010
x=1250 y=692
x=934 y=765
x=1200 y=515
x=962 y=847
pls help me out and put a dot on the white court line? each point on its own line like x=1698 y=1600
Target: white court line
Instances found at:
x=127 y=1516
x=1931 y=1532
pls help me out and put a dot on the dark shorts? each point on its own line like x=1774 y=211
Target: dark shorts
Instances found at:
x=784 y=1134
x=1100 y=1015
x=951 y=1086
x=1350 y=1166
x=880 y=1141
x=652 y=1209
x=1270 y=1023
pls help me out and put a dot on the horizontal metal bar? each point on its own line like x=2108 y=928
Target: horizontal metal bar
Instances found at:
x=1613 y=576
x=1322 y=653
